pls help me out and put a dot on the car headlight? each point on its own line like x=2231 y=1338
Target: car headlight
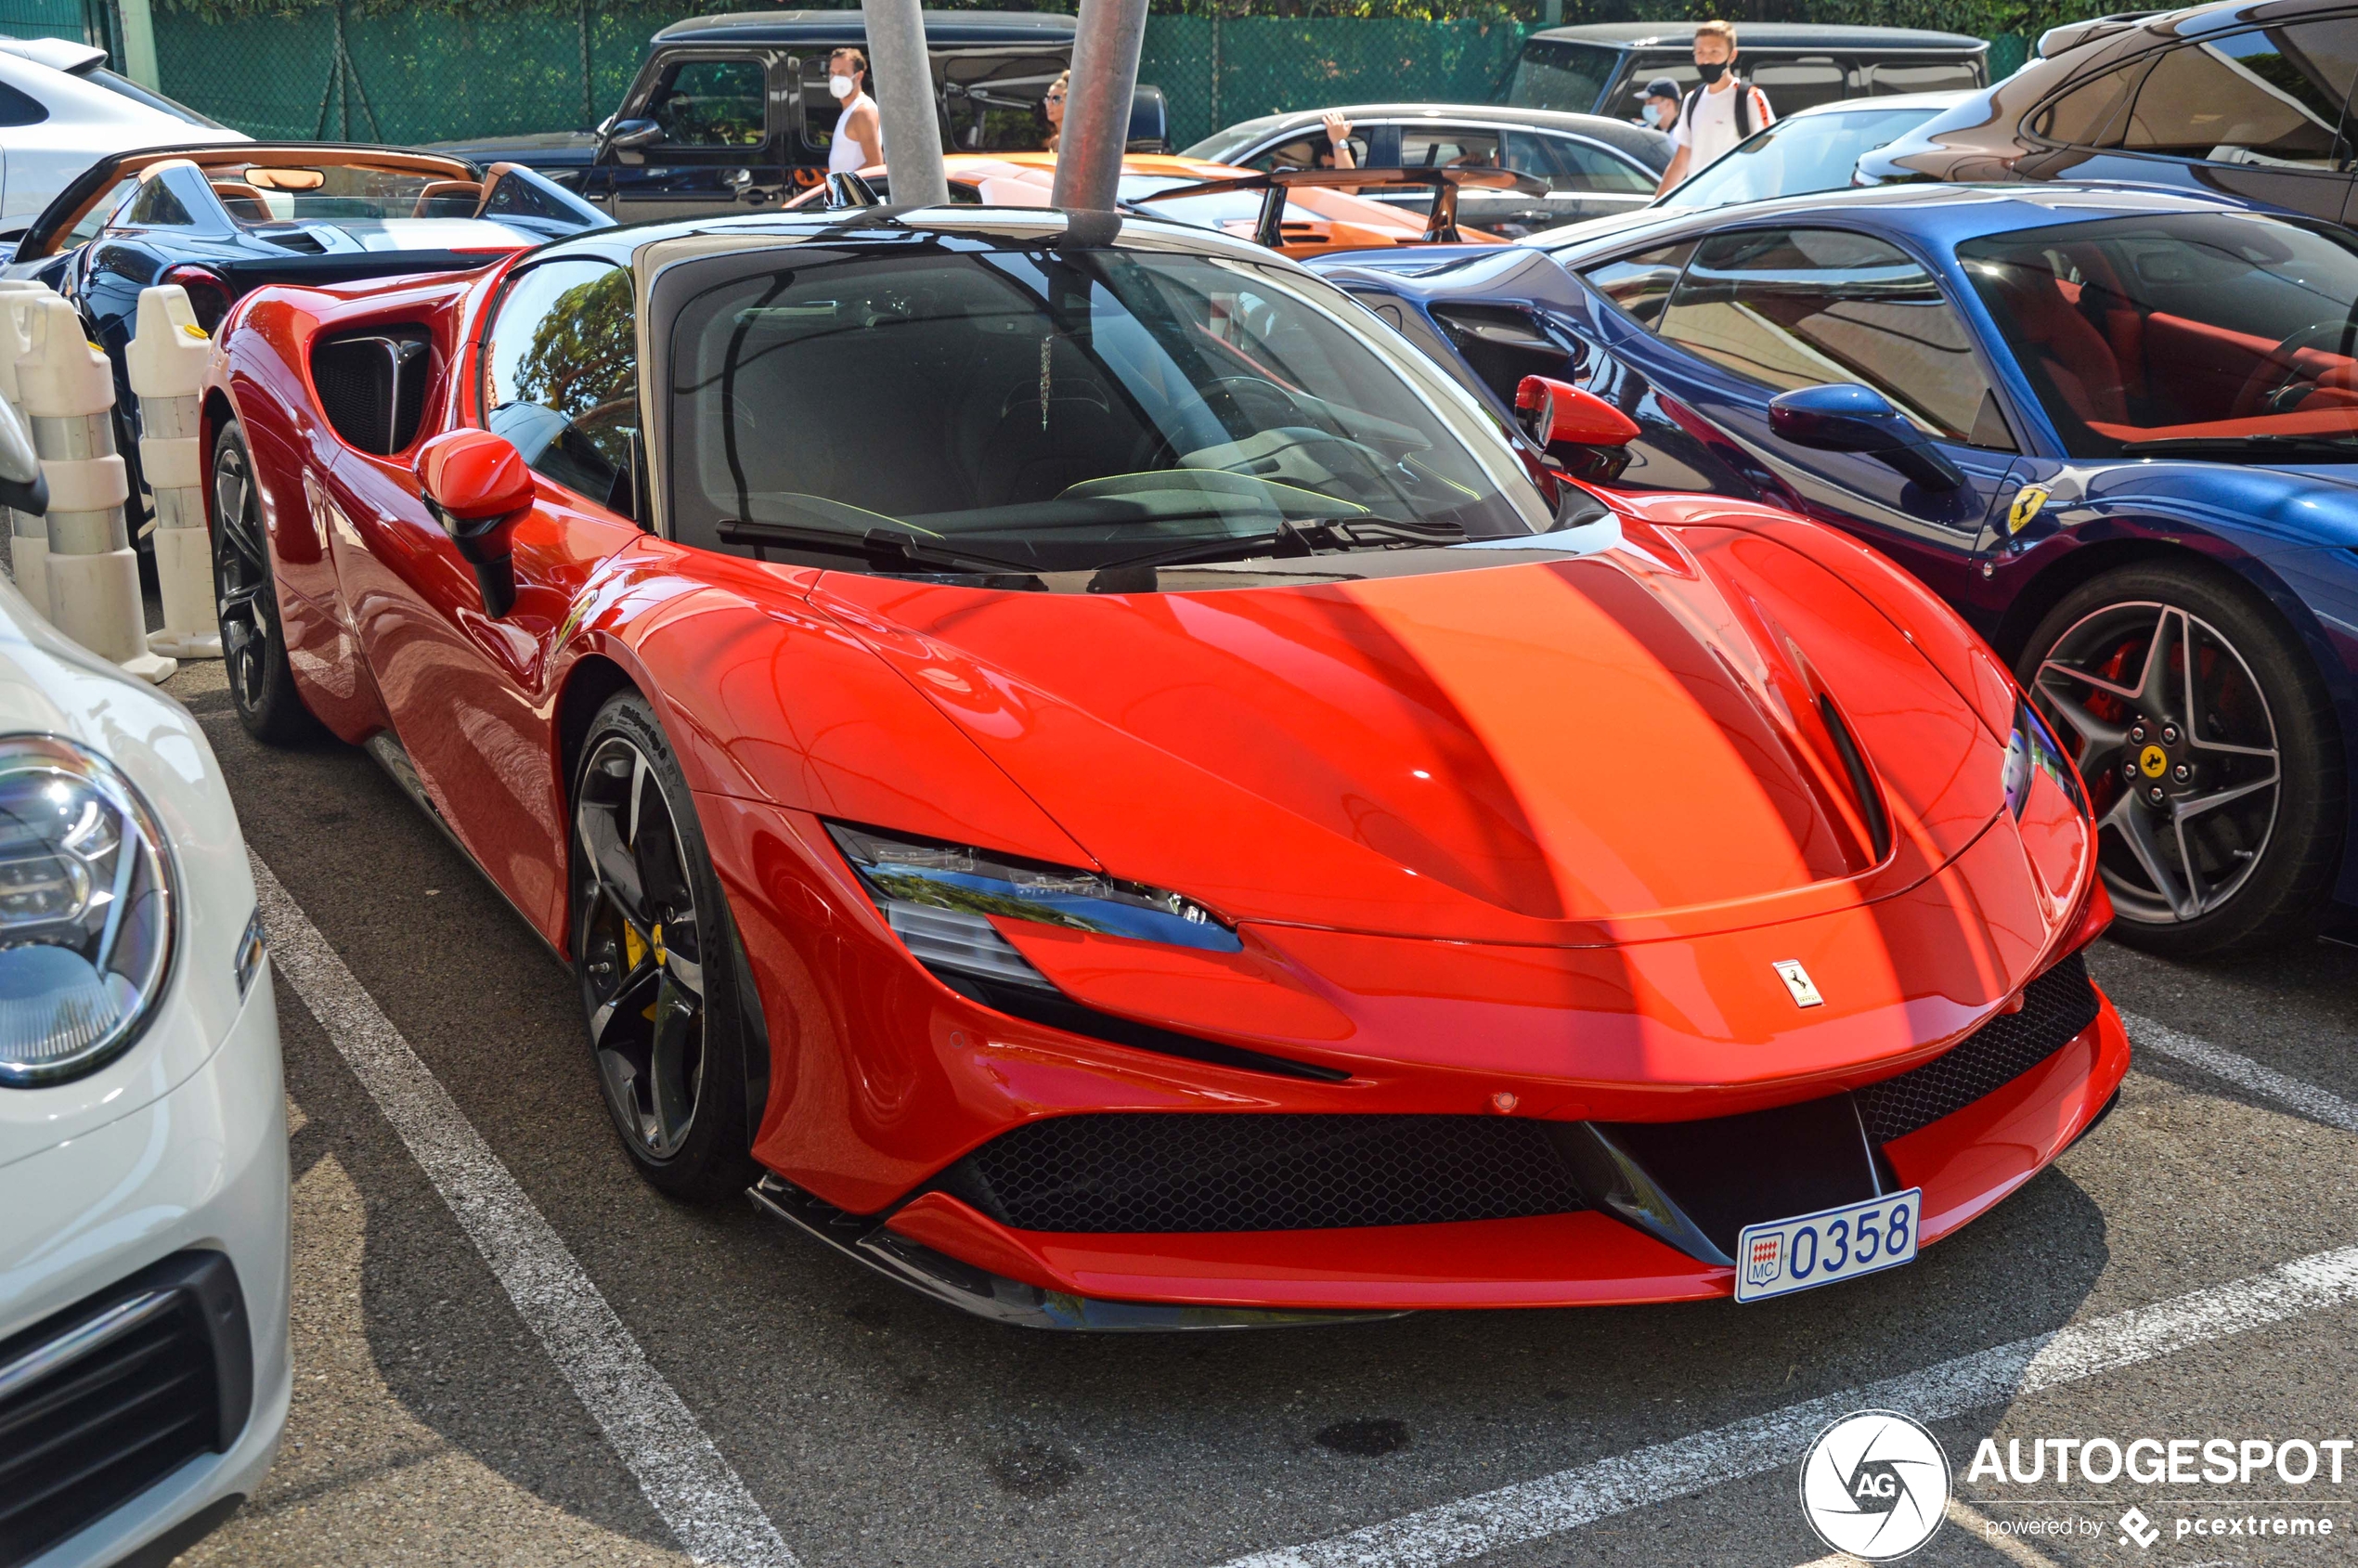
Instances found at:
x=937 y=899
x=2030 y=751
x=85 y=911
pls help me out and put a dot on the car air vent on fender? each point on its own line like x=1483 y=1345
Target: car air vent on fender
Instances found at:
x=1862 y=782
x=298 y=240
x=1504 y=344
x=372 y=385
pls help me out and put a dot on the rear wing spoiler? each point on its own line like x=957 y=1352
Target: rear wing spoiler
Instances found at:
x=1441 y=223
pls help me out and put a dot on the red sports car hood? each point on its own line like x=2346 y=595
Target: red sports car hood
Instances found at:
x=1532 y=748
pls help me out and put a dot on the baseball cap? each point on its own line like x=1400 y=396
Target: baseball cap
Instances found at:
x=1660 y=87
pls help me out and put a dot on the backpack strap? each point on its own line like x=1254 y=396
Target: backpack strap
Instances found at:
x=1687 y=106
x=1743 y=110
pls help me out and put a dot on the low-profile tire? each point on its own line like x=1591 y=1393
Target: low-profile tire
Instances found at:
x=253 y=642
x=2221 y=804
x=664 y=988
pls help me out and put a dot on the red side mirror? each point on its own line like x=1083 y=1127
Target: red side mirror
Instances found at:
x=1553 y=411
x=479 y=489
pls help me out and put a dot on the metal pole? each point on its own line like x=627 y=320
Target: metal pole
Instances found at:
x=902 y=72
x=589 y=93
x=1217 y=124
x=1097 y=130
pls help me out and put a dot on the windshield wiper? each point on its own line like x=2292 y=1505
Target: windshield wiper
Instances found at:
x=2259 y=448
x=1306 y=538
x=885 y=548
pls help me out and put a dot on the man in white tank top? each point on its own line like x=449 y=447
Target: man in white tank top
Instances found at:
x=859 y=138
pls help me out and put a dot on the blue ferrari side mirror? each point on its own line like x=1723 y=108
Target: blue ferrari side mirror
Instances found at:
x=1846 y=417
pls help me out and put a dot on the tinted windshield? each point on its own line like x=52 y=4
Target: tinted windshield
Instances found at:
x=1065 y=412
x=1795 y=157
x=2202 y=326
x=333 y=193
x=1552 y=74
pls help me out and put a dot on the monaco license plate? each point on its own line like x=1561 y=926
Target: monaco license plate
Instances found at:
x=1778 y=1257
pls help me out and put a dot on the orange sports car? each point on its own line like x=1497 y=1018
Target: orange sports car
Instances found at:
x=1315 y=220
x=1084 y=770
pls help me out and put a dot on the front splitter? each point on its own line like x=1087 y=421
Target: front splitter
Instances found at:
x=984 y=1294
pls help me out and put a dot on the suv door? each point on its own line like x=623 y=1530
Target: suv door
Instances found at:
x=722 y=149
x=2258 y=114
x=1755 y=312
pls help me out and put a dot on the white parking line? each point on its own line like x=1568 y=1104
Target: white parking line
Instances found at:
x=2319 y=1105
x=1552 y=1504
x=696 y=1491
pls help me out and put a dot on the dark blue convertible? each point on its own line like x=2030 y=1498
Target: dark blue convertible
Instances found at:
x=2117 y=429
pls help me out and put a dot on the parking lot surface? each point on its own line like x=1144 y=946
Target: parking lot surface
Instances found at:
x=635 y=1381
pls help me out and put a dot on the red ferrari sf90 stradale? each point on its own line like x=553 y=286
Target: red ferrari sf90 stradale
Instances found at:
x=1086 y=772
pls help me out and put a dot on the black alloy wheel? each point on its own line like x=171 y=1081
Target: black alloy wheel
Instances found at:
x=2209 y=751
x=664 y=986
x=253 y=645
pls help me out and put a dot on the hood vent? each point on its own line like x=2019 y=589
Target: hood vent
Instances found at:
x=1862 y=783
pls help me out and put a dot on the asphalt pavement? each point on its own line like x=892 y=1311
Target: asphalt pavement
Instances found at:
x=436 y=1421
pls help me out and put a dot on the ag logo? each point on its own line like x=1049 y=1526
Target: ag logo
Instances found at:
x=1874 y=1486
x=2151 y=760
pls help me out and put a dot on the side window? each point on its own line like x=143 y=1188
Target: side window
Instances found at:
x=561 y=377
x=1887 y=78
x=1799 y=307
x=1793 y=84
x=103 y=211
x=713 y=103
x=1641 y=285
x=157 y=207
x=1310 y=151
x=1438 y=147
x=2269 y=96
x=17 y=108
x=2090 y=114
x=1568 y=164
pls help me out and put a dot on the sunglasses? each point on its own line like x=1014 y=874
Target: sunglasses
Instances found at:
x=1056 y=97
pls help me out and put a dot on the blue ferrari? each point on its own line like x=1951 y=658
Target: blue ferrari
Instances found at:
x=2117 y=429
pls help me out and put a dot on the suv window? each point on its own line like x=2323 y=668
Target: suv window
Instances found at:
x=1557 y=73
x=2088 y=113
x=1888 y=78
x=712 y=103
x=561 y=377
x=1641 y=285
x=2269 y=96
x=1792 y=83
x=1799 y=307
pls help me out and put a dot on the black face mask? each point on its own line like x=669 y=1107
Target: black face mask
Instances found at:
x=1713 y=72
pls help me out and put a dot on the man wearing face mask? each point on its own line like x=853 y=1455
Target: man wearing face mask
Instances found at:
x=1660 y=109
x=859 y=138
x=1717 y=115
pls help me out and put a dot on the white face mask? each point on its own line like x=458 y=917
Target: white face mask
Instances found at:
x=842 y=86
x=1660 y=117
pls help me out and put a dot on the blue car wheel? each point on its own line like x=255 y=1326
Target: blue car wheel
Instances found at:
x=2209 y=750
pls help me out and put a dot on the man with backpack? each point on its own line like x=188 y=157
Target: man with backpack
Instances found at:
x=1719 y=112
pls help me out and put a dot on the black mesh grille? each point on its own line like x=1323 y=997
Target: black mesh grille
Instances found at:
x=2056 y=1007
x=1192 y=1173
x=373 y=386
x=80 y=1438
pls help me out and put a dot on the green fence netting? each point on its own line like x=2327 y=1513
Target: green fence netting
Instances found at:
x=44 y=19
x=430 y=74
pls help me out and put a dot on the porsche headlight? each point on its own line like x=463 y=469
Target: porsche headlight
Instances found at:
x=85 y=911
x=2030 y=751
x=939 y=896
